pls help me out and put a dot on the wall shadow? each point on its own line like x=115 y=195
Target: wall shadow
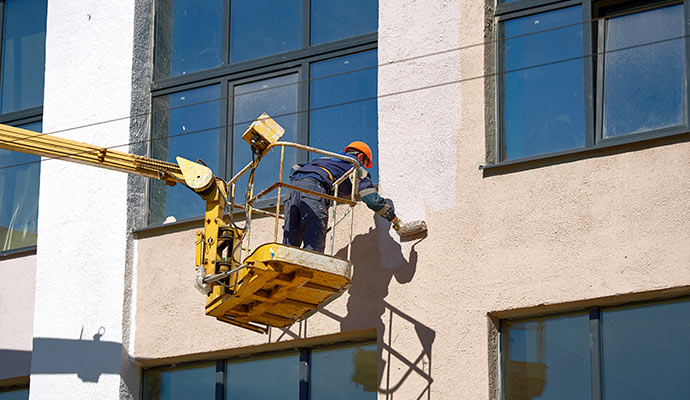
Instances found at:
x=377 y=258
x=86 y=358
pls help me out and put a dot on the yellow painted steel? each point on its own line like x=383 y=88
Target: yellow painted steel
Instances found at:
x=282 y=285
x=25 y=141
x=275 y=285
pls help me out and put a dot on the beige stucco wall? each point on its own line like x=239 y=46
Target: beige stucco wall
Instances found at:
x=593 y=231
x=17 y=285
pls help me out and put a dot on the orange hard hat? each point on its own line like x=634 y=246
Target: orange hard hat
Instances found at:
x=364 y=148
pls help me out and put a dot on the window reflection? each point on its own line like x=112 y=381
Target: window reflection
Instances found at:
x=21 y=394
x=343 y=107
x=543 y=103
x=275 y=378
x=644 y=83
x=335 y=19
x=23 y=54
x=548 y=358
x=181 y=383
x=277 y=97
x=646 y=351
x=188 y=36
x=344 y=373
x=19 y=197
x=264 y=27
x=185 y=124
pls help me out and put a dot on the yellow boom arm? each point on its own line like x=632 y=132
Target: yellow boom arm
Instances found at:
x=217 y=234
x=24 y=141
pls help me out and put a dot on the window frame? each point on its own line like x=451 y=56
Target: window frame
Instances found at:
x=593 y=77
x=16 y=118
x=304 y=361
x=595 y=339
x=229 y=75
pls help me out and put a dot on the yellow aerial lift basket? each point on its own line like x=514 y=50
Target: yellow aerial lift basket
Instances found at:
x=274 y=284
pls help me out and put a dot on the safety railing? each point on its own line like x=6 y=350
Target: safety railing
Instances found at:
x=279 y=185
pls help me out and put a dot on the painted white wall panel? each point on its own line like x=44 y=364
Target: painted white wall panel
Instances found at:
x=82 y=210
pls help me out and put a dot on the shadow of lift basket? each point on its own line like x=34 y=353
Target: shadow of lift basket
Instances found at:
x=275 y=285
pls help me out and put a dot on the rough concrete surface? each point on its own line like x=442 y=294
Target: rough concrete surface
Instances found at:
x=17 y=285
x=567 y=234
x=77 y=333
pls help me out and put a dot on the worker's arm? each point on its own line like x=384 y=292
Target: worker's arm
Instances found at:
x=370 y=196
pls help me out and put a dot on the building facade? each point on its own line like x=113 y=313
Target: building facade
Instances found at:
x=544 y=142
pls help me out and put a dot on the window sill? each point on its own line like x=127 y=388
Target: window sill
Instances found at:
x=604 y=148
x=17 y=253
x=197 y=222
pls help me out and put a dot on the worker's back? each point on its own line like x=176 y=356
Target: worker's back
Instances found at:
x=328 y=170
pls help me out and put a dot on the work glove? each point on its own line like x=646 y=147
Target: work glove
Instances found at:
x=388 y=211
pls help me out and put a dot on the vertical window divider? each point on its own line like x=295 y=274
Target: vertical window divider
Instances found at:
x=589 y=73
x=306 y=24
x=229 y=127
x=220 y=380
x=595 y=352
x=224 y=131
x=2 y=33
x=304 y=374
x=501 y=362
x=601 y=58
x=500 y=106
x=225 y=51
x=686 y=9
x=303 y=108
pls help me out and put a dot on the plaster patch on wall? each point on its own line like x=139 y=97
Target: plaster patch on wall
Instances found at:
x=418 y=147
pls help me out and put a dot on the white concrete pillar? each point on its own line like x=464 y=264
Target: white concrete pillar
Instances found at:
x=82 y=235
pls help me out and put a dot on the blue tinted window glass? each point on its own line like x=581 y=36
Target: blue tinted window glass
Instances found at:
x=181 y=383
x=644 y=84
x=19 y=177
x=264 y=27
x=335 y=19
x=543 y=105
x=548 y=358
x=22 y=394
x=275 y=378
x=188 y=36
x=344 y=374
x=343 y=107
x=646 y=352
x=277 y=97
x=185 y=124
x=23 y=54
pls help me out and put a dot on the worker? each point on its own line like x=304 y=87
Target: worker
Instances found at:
x=306 y=215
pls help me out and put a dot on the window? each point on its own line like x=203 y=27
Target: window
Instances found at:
x=342 y=372
x=14 y=394
x=579 y=75
x=632 y=352
x=21 y=100
x=311 y=65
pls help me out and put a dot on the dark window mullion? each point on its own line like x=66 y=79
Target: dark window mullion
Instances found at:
x=595 y=352
x=500 y=104
x=229 y=124
x=220 y=380
x=305 y=374
x=686 y=6
x=224 y=131
x=589 y=73
x=303 y=104
x=601 y=58
x=225 y=51
x=2 y=34
x=306 y=23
